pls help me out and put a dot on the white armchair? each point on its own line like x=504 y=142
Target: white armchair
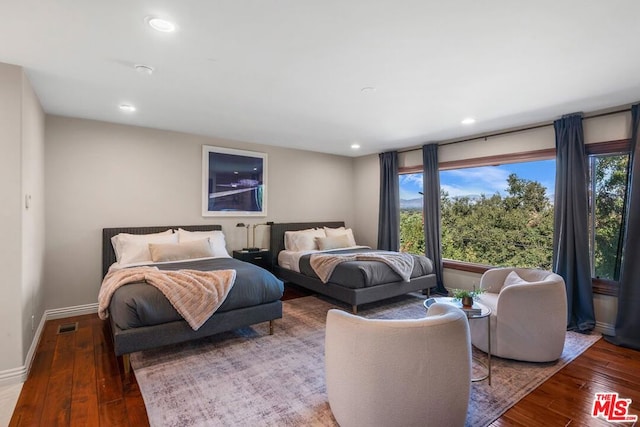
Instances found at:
x=399 y=372
x=529 y=314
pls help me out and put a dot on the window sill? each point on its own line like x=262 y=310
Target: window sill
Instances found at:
x=605 y=287
x=599 y=286
x=465 y=266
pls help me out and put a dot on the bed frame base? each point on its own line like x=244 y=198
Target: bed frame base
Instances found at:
x=353 y=297
x=357 y=296
x=127 y=341
x=126 y=356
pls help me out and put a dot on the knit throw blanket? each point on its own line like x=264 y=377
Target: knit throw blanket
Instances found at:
x=324 y=264
x=195 y=295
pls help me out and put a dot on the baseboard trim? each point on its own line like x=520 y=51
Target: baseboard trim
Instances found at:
x=13 y=376
x=78 y=310
x=19 y=374
x=605 y=328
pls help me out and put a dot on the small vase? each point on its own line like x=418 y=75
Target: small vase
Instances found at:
x=467 y=302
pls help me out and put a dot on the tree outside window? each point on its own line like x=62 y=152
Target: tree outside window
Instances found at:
x=498 y=216
x=608 y=176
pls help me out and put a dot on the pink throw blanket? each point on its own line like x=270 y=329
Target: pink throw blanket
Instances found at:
x=195 y=295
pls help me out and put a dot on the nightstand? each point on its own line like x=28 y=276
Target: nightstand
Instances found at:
x=261 y=258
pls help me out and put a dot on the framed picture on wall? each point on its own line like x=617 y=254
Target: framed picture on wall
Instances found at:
x=234 y=182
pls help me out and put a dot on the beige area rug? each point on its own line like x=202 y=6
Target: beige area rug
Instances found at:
x=249 y=378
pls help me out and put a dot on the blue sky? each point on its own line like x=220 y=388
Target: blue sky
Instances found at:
x=486 y=180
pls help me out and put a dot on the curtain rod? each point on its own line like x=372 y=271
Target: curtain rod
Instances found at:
x=507 y=132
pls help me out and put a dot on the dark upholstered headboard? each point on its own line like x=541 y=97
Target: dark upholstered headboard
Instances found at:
x=108 y=254
x=277 y=233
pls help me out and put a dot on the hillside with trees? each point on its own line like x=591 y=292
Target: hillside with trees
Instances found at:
x=513 y=230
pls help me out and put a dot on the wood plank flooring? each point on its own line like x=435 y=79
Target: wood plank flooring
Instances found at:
x=75 y=380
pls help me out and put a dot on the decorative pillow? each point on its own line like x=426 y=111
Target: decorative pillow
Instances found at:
x=341 y=231
x=132 y=248
x=178 y=251
x=333 y=242
x=513 y=279
x=216 y=240
x=302 y=240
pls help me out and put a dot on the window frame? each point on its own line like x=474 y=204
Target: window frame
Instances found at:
x=619 y=146
x=599 y=286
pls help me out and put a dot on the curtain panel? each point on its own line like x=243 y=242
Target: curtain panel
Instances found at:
x=431 y=211
x=389 y=212
x=628 y=317
x=571 y=231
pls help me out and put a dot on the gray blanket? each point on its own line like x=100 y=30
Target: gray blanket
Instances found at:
x=140 y=304
x=324 y=264
x=363 y=274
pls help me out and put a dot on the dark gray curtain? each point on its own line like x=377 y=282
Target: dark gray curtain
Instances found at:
x=389 y=212
x=628 y=319
x=571 y=231
x=431 y=210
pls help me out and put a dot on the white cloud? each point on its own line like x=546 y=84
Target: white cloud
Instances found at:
x=410 y=184
x=412 y=178
x=486 y=180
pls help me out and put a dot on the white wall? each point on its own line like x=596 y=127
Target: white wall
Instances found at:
x=22 y=244
x=32 y=217
x=366 y=191
x=10 y=216
x=106 y=175
x=605 y=128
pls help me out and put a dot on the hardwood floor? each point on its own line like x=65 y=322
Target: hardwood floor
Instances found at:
x=566 y=398
x=75 y=380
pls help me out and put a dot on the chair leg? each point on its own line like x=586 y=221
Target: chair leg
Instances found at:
x=271 y=327
x=354 y=309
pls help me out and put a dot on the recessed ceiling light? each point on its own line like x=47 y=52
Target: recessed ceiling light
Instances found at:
x=355 y=146
x=468 y=121
x=144 y=69
x=162 y=25
x=127 y=108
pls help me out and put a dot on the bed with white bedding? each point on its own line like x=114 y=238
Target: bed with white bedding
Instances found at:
x=354 y=281
x=140 y=315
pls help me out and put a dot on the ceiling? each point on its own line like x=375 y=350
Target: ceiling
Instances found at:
x=291 y=73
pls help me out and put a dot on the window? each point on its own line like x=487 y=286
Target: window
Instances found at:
x=503 y=215
x=608 y=182
x=499 y=215
x=491 y=215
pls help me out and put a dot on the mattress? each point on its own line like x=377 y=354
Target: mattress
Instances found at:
x=139 y=304
x=356 y=274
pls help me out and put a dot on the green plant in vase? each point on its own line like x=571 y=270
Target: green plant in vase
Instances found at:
x=466 y=296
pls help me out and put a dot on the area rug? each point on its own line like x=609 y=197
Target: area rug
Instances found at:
x=247 y=377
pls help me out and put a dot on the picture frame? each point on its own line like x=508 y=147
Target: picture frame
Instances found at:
x=234 y=182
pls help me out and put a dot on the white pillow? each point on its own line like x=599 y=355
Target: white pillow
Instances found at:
x=161 y=252
x=135 y=248
x=340 y=232
x=216 y=240
x=302 y=240
x=333 y=242
x=513 y=279
x=118 y=240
